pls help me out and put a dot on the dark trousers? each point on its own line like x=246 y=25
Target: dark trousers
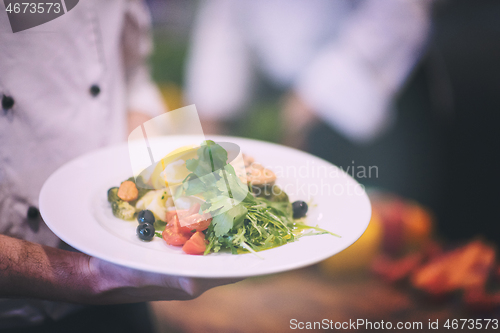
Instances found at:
x=124 y=318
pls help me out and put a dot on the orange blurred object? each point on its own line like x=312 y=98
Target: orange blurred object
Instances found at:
x=466 y=268
x=406 y=225
x=396 y=226
x=359 y=255
x=418 y=225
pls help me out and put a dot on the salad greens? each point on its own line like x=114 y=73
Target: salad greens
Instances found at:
x=242 y=221
x=254 y=223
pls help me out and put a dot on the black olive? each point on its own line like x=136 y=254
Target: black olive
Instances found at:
x=146 y=231
x=146 y=216
x=299 y=209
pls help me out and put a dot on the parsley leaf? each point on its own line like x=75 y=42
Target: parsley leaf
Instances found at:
x=222 y=223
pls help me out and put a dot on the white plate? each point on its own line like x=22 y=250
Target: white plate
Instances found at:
x=73 y=203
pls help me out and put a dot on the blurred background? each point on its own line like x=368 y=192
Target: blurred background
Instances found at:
x=410 y=87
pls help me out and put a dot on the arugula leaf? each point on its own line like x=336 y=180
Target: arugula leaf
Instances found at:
x=222 y=224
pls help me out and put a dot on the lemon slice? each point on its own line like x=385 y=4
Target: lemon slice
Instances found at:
x=171 y=170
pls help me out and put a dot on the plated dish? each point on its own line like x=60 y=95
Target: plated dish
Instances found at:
x=338 y=206
x=206 y=201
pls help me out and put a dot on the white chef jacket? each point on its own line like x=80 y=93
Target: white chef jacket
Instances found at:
x=346 y=58
x=48 y=71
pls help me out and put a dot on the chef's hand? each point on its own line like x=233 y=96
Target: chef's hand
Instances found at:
x=117 y=284
x=30 y=270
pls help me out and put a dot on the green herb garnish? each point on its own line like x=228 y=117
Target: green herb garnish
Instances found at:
x=255 y=224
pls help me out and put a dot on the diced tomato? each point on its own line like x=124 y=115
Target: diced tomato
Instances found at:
x=169 y=219
x=198 y=226
x=174 y=234
x=196 y=244
x=172 y=213
x=173 y=238
x=194 y=209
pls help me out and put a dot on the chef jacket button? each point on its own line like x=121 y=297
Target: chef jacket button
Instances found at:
x=7 y=102
x=95 y=90
x=33 y=212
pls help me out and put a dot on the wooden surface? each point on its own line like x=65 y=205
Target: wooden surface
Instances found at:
x=267 y=304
